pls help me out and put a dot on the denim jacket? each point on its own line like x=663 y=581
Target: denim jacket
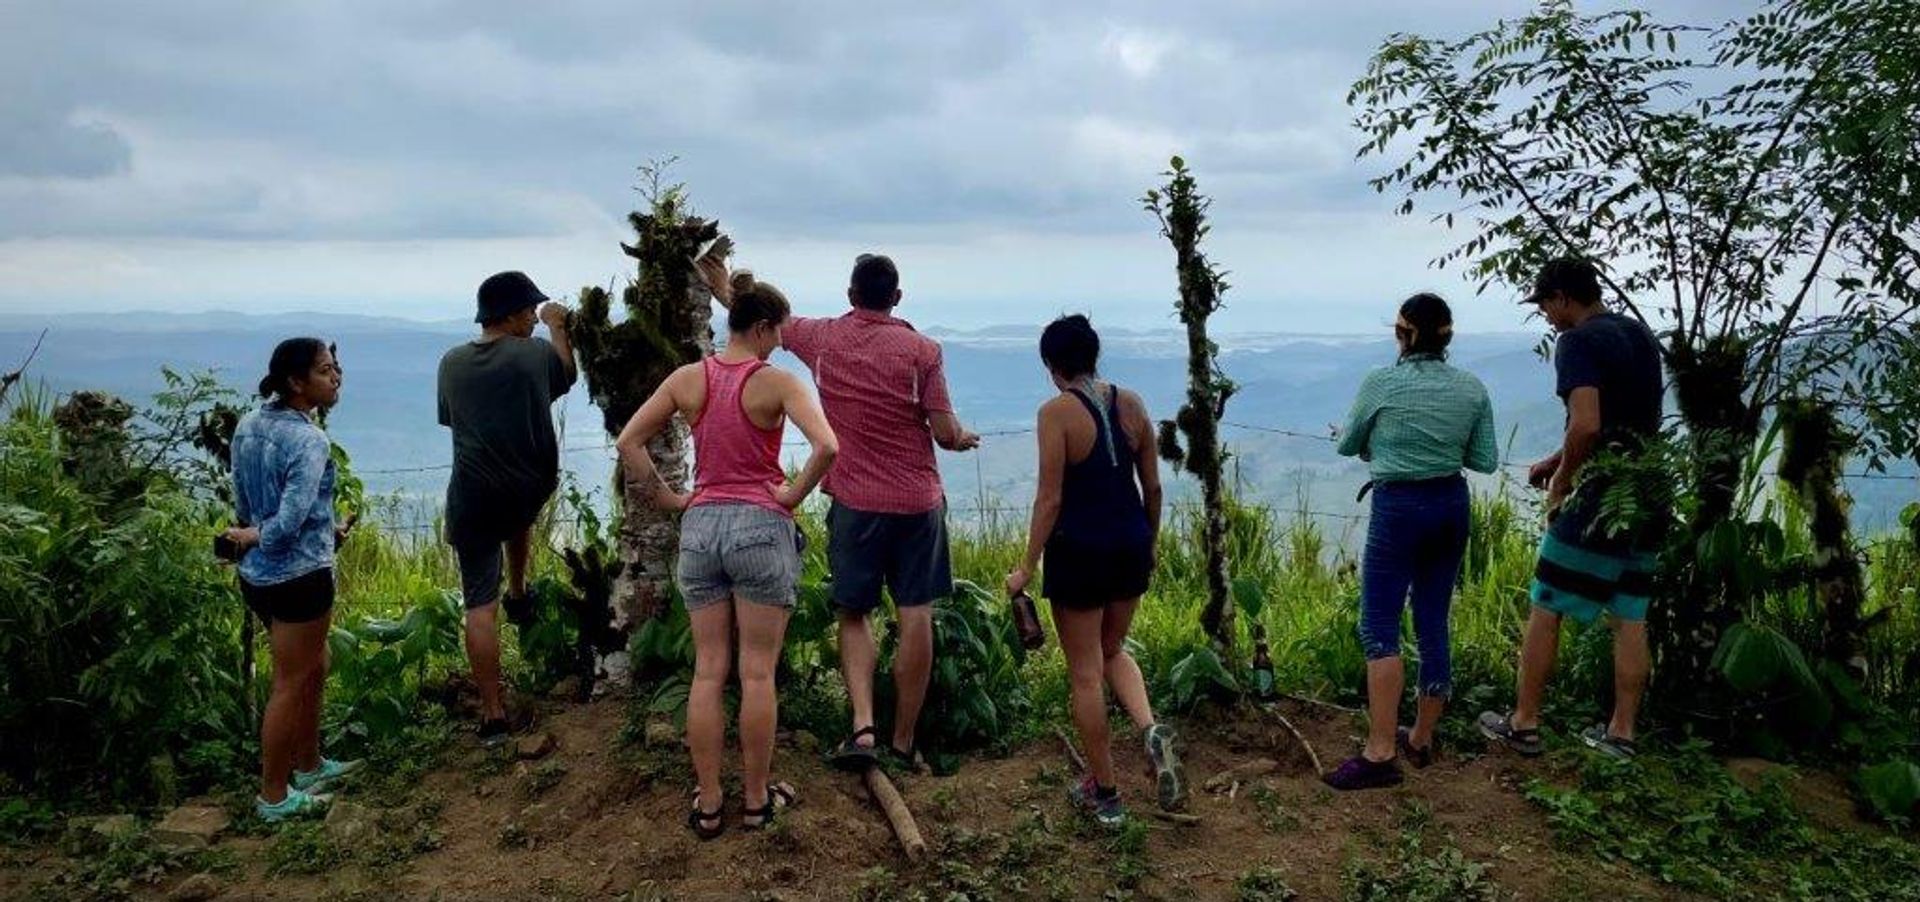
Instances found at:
x=283 y=477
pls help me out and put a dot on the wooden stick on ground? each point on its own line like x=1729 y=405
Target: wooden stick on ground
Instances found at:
x=1239 y=773
x=1311 y=754
x=1308 y=700
x=1073 y=754
x=899 y=817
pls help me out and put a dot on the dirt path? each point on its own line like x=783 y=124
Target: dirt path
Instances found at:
x=598 y=819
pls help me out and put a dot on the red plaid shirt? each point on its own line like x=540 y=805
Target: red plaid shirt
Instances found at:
x=879 y=380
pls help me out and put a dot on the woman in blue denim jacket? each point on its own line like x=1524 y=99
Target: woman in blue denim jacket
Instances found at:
x=283 y=480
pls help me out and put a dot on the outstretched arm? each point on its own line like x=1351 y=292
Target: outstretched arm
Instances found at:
x=649 y=421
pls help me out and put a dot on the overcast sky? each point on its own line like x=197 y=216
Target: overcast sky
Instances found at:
x=383 y=157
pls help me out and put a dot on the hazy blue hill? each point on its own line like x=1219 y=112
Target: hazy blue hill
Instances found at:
x=1300 y=383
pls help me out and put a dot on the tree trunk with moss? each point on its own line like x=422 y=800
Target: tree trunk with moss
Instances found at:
x=667 y=325
x=1182 y=211
x=1814 y=447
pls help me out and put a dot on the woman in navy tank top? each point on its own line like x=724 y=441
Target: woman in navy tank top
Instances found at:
x=1096 y=516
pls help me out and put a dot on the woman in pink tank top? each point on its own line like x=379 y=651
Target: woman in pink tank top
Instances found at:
x=739 y=549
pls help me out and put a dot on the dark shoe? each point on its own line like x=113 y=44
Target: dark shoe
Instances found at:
x=519 y=609
x=706 y=824
x=494 y=733
x=1499 y=728
x=780 y=797
x=1420 y=756
x=1359 y=773
x=1597 y=738
x=907 y=762
x=1103 y=805
x=1168 y=776
x=853 y=757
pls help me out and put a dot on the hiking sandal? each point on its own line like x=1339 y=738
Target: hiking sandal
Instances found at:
x=907 y=761
x=780 y=797
x=1499 y=728
x=706 y=824
x=1597 y=738
x=853 y=757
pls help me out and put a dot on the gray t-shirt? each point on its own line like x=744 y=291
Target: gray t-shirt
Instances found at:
x=497 y=397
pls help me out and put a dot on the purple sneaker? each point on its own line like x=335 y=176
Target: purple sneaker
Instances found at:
x=1359 y=773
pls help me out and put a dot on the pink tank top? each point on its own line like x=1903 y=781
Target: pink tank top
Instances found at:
x=734 y=460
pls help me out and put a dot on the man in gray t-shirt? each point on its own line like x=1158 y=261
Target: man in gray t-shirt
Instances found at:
x=497 y=394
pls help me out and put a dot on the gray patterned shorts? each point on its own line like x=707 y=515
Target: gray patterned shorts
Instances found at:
x=738 y=550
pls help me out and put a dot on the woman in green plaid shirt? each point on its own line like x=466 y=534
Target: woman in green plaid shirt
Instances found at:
x=1416 y=424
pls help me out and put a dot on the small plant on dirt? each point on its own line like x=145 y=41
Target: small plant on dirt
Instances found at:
x=128 y=862
x=514 y=836
x=1127 y=853
x=875 y=884
x=543 y=777
x=1415 y=875
x=1274 y=815
x=1263 y=884
x=302 y=849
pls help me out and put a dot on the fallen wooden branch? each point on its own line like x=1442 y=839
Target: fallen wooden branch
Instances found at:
x=1307 y=700
x=1311 y=754
x=899 y=817
x=1240 y=773
x=1174 y=817
x=1073 y=754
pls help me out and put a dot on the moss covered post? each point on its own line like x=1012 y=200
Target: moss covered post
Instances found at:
x=667 y=324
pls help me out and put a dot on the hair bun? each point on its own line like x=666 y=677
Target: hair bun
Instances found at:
x=741 y=281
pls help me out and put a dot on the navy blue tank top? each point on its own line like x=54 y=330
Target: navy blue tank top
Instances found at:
x=1100 y=504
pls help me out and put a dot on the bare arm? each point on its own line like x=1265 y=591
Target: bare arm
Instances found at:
x=1583 y=433
x=1046 y=494
x=805 y=413
x=649 y=421
x=555 y=316
x=949 y=434
x=713 y=271
x=1146 y=462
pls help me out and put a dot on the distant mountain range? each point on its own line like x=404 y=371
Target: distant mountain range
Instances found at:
x=1297 y=384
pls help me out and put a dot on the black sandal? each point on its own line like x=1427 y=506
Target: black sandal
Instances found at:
x=907 y=761
x=853 y=757
x=706 y=824
x=780 y=797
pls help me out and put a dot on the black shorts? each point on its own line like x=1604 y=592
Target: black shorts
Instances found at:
x=301 y=599
x=1083 y=577
x=480 y=568
x=907 y=553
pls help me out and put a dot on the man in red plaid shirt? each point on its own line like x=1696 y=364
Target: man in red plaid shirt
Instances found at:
x=884 y=388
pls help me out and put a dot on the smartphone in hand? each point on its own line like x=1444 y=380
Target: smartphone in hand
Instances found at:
x=227 y=549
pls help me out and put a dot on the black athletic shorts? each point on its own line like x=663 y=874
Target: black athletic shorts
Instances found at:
x=1081 y=577
x=907 y=553
x=299 y=600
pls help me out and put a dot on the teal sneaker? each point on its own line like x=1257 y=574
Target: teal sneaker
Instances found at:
x=327 y=776
x=1102 y=805
x=297 y=804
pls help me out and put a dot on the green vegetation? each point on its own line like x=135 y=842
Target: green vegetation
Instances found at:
x=1684 y=819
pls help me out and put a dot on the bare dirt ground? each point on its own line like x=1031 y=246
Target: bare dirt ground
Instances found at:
x=599 y=818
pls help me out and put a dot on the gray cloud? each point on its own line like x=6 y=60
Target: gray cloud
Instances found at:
x=433 y=120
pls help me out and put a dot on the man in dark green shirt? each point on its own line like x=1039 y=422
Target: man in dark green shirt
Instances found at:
x=497 y=394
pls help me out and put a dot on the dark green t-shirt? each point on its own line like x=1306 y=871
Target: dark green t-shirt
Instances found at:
x=497 y=397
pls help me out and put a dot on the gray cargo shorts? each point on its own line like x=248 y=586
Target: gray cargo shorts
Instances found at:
x=742 y=551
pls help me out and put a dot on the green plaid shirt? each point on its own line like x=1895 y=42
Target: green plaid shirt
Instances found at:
x=1421 y=419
